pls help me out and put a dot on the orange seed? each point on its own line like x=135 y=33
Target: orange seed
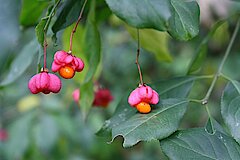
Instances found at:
x=143 y=107
x=66 y=72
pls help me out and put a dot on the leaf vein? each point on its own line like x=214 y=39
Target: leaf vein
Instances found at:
x=192 y=150
x=154 y=116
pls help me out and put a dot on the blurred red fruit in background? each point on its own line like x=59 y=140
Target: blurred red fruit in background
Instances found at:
x=102 y=97
x=3 y=135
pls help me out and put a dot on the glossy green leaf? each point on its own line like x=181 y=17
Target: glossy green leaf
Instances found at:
x=160 y=123
x=67 y=15
x=45 y=132
x=153 y=41
x=19 y=133
x=31 y=11
x=21 y=62
x=92 y=48
x=122 y=113
x=179 y=18
x=197 y=144
x=201 y=52
x=230 y=109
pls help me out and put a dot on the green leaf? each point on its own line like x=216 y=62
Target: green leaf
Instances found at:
x=179 y=18
x=86 y=98
x=197 y=144
x=19 y=133
x=122 y=113
x=68 y=14
x=153 y=41
x=201 y=52
x=42 y=27
x=210 y=128
x=65 y=125
x=45 y=132
x=198 y=59
x=21 y=62
x=176 y=87
x=39 y=30
x=230 y=109
x=160 y=123
x=31 y=11
x=92 y=48
x=213 y=126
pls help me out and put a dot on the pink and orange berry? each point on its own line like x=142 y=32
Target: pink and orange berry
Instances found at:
x=66 y=64
x=142 y=97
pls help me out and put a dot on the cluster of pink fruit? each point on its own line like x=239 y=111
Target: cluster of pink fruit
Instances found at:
x=66 y=64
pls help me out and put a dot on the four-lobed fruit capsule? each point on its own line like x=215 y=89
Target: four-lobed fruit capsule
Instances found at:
x=142 y=97
x=66 y=64
x=44 y=82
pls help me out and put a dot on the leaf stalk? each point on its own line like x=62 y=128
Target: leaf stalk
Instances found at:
x=75 y=27
x=219 y=71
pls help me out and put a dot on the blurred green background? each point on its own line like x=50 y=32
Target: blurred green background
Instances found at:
x=37 y=127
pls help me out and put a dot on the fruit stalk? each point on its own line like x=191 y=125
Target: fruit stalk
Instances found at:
x=76 y=25
x=45 y=53
x=137 y=58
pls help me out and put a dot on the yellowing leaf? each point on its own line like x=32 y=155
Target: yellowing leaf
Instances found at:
x=27 y=103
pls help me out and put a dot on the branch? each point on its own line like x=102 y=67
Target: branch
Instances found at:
x=206 y=98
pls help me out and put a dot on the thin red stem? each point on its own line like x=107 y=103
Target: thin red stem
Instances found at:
x=138 y=54
x=45 y=53
x=45 y=35
x=76 y=25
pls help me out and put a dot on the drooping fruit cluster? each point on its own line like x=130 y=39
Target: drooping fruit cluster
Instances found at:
x=66 y=64
x=44 y=82
x=142 y=97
